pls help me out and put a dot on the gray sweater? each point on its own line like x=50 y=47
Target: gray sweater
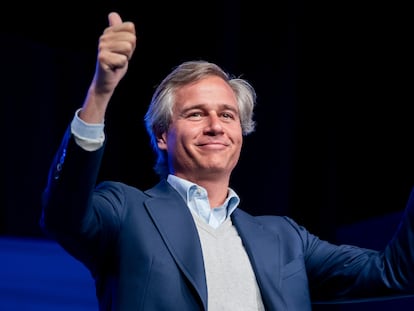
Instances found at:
x=231 y=283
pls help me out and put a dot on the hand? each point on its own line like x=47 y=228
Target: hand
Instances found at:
x=116 y=46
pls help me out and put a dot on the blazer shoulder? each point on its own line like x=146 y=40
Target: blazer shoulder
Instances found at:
x=277 y=224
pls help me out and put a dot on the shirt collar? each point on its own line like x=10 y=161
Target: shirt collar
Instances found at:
x=184 y=186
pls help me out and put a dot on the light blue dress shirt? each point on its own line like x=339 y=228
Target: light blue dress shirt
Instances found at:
x=197 y=201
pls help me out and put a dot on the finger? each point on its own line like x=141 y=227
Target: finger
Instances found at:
x=113 y=61
x=114 y=19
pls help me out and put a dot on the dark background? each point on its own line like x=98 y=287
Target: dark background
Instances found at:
x=334 y=83
x=333 y=145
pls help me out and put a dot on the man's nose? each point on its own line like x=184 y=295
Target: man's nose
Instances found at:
x=214 y=124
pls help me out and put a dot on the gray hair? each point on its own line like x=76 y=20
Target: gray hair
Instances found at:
x=158 y=117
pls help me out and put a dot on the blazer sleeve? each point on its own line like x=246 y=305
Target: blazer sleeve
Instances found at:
x=347 y=272
x=67 y=212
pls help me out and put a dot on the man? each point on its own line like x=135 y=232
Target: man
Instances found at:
x=185 y=244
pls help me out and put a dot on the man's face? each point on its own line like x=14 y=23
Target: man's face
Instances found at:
x=205 y=137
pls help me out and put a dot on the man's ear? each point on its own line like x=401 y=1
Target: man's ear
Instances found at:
x=162 y=141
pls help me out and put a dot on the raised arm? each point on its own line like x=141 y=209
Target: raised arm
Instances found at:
x=74 y=169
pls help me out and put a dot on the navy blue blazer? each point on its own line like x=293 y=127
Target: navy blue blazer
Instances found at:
x=143 y=249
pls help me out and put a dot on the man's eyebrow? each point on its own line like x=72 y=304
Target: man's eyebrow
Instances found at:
x=231 y=107
x=203 y=106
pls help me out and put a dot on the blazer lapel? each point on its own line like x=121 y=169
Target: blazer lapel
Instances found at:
x=263 y=249
x=176 y=226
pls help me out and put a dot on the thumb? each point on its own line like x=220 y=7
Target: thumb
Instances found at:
x=114 y=19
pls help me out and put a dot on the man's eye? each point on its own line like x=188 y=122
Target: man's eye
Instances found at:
x=194 y=115
x=227 y=115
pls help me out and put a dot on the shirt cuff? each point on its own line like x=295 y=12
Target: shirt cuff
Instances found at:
x=88 y=136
